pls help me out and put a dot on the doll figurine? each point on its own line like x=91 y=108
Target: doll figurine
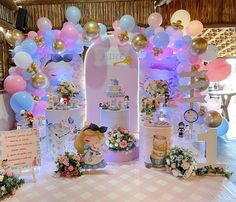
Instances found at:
x=126 y=102
x=89 y=144
x=181 y=129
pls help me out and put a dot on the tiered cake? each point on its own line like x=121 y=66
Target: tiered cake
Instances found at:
x=115 y=115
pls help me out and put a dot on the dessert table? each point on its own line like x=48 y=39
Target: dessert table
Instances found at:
x=225 y=98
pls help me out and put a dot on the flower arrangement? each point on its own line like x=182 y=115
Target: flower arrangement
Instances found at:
x=67 y=89
x=69 y=165
x=120 y=139
x=148 y=106
x=181 y=162
x=158 y=89
x=9 y=183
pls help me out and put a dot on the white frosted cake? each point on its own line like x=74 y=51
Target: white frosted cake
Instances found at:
x=114 y=89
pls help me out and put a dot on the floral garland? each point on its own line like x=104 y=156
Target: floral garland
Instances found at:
x=181 y=163
x=120 y=139
x=9 y=183
x=67 y=89
x=69 y=165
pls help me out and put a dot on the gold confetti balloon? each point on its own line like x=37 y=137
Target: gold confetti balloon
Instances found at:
x=139 y=42
x=39 y=80
x=213 y=119
x=91 y=29
x=199 y=45
x=59 y=45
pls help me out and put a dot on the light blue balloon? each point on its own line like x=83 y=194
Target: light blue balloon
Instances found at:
x=148 y=32
x=161 y=40
x=49 y=36
x=79 y=47
x=223 y=128
x=73 y=14
x=127 y=23
x=170 y=30
x=26 y=75
x=16 y=50
x=29 y=46
x=179 y=43
x=103 y=28
x=187 y=40
x=79 y=28
x=136 y=29
x=19 y=117
x=21 y=101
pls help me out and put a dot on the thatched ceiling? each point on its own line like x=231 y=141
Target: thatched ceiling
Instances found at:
x=218 y=16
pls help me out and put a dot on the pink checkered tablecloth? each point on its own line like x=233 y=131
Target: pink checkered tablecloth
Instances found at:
x=124 y=183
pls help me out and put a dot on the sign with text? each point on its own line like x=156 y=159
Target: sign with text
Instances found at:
x=21 y=148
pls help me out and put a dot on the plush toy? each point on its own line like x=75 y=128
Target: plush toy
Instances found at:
x=89 y=144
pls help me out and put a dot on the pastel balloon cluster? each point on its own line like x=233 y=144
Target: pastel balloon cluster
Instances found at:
x=32 y=74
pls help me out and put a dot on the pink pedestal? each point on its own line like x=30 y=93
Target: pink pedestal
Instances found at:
x=121 y=156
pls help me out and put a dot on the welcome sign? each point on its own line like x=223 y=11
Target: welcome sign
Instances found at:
x=21 y=148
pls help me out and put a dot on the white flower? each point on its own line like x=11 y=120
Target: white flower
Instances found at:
x=3 y=188
x=185 y=165
x=193 y=174
x=116 y=144
x=1 y=178
x=173 y=165
x=175 y=172
x=168 y=161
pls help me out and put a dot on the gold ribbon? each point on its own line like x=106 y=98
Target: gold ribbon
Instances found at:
x=157 y=51
x=127 y=60
x=39 y=41
x=123 y=36
x=177 y=25
x=33 y=68
x=36 y=98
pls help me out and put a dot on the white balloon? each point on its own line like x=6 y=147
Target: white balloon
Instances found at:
x=182 y=15
x=211 y=53
x=22 y=60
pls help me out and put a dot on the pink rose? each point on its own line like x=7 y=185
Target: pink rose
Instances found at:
x=9 y=172
x=123 y=144
x=111 y=138
x=70 y=168
x=64 y=160
x=75 y=172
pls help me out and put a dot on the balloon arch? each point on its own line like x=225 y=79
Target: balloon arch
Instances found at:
x=44 y=56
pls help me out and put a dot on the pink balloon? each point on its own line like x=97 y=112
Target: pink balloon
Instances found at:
x=14 y=83
x=57 y=34
x=116 y=24
x=218 y=70
x=155 y=20
x=194 y=28
x=39 y=33
x=68 y=24
x=195 y=59
x=168 y=52
x=39 y=108
x=142 y=30
x=18 y=70
x=159 y=29
x=44 y=24
x=69 y=32
x=40 y=92
x=12 y=70
x=32 y=35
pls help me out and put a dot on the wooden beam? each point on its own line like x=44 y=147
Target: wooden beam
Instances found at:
x=6 y=25
x=37 y=2
x=10 y=4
